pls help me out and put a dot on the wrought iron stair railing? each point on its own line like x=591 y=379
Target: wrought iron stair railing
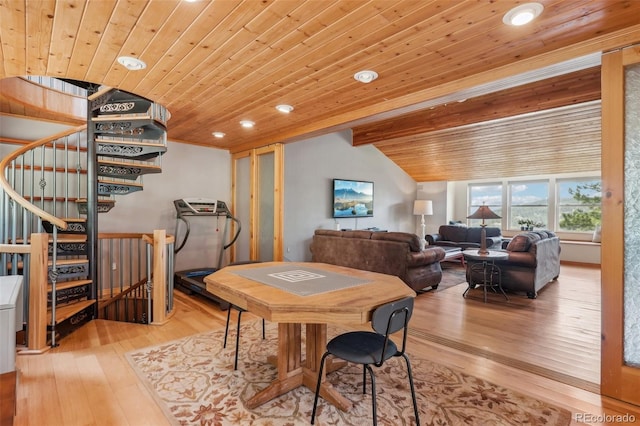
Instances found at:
x=44 y=186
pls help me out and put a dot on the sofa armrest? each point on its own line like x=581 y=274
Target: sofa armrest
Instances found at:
x=494 y=242
x=427 y=256
x=432 y=238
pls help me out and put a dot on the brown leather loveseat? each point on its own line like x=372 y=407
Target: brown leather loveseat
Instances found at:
x=533 y=262
x=393 y=253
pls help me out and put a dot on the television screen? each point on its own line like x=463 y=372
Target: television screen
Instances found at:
x=352 y=198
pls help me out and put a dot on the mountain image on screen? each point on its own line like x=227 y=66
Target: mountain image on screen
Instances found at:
x=349 y=202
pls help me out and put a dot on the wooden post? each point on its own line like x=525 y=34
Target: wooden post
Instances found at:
x=37 y=326
x=159 y=292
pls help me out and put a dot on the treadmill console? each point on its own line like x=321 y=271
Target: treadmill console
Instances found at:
x=201 y=207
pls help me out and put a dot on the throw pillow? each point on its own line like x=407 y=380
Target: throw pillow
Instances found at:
x=522 y=242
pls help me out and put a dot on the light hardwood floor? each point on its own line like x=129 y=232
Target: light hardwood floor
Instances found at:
x=88 y=381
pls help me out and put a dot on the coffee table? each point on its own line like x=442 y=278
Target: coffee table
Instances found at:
x=453 y=254
x=351 y=305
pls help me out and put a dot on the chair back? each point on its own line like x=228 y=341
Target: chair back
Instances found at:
x=393 y=316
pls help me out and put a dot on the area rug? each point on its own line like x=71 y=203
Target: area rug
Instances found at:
x=193 y=381
x=453 y=274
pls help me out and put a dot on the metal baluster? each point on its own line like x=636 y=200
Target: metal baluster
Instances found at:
x=99 y=269
x=43 y=181
x=53 y=277
x=66 y=176
x=54 y=190
x=14 y=222
x=110 y=268
x=78 y=168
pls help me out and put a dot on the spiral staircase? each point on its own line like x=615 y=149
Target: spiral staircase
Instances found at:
x=61 y=183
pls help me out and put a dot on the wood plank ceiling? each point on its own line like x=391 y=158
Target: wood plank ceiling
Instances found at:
x=214 y=63
x=546 y=127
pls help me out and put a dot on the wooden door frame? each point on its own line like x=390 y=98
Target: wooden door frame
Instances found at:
x=618 y=380
x=278 y=194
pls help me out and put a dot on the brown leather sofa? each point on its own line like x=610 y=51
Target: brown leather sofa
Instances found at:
x=533 y=262
x=393 y=253
x=464 y=237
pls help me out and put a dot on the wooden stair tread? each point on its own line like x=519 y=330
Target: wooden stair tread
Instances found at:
x=132 y=142
x=64 y=312
x=104 y=201
x=68 y=284
x=124 y=164
x=122 y=117
x=62 y=238
x=74 y=219
x=63 y=262
x=70 y=238
x=115 y=182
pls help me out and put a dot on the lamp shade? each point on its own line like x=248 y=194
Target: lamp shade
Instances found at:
x=483 y=212
x=423 y=207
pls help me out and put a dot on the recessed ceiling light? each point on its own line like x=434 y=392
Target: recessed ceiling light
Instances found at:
x=284 y=108
x=365 y=76
x=218 y=135
x=523 y=14
x=247 y=124
x=132 y=64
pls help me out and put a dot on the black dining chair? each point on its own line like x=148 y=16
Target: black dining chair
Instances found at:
x=226 y=331
x=240 y=311
x=373 y=348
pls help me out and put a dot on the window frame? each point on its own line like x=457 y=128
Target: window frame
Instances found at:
x=558 y=213
x=510 y=206
x=497 y=208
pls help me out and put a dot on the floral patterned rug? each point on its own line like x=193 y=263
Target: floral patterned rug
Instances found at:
x=193 y=380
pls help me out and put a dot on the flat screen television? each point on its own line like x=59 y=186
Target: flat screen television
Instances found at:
x=352 y=198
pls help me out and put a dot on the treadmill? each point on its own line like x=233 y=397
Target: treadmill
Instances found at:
x=192 y=280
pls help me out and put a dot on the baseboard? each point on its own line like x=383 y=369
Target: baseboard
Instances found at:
x=581 y=264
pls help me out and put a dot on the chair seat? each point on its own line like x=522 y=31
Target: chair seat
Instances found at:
x=362 y=347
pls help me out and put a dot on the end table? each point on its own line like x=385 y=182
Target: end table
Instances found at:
x=484 y=265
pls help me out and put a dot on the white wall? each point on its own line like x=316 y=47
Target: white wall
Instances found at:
x=437 y=193
x=187 y=171
x=310 y=167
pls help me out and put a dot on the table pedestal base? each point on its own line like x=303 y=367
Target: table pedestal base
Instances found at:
x=292 y=373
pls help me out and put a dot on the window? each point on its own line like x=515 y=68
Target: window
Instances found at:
x=489 y=195
x=579 y=204
x=528 y=204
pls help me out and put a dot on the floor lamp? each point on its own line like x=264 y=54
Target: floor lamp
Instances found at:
x=483 y=212
x=422 y=207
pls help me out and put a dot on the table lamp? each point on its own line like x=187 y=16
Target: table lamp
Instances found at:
x=483 y=212
x=422 y=207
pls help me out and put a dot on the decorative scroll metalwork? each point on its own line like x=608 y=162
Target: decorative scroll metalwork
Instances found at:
x=76 y=227
x=115 y=126
x=111 y=170
x=115 y=149
x=70 y=249
x=116 y=189
x=99 y=101
x=71 y=294
x=71 y=271
x=117 y=107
